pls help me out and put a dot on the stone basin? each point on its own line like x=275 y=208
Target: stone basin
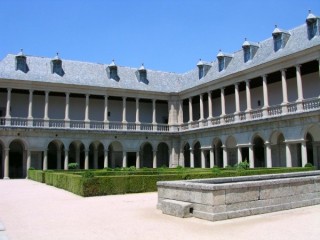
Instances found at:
x=225 y=198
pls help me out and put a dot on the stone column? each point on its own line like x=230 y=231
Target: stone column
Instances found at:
x=124 y=109
x=265 y=95
x=154 y=162
x=248 y=98
x=268 y=155
x=251 y=156
x=237 y=101
x=59 y=157
x=30 y=118
x=225 y=156
x=8 y=114
x=124 y=113
x=138 y=159
x=45 y=160
x=86 y=159
x=124 y=159
x=239 y=154
x=6 y=163
x=284 y=91
x=201 y=107
x=46 y=109
x=191 y=158
x=288 y=155
x=190 y=110
x=304 y=158
x=154 y=111
x=211 y=158
x=66 y=118
x=105 y=164
x=137 y=111
x=299 y=83
x=87 y=110
x=28 y=161
x=180 y=121
x=210 y=105
x=223 y=103
x=66 y=159
x=105 y=119
x=203 y=159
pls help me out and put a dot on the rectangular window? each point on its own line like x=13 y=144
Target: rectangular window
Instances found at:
x=113 y=73
x=277 y=42
x=21 y=64
x=201 y=72
x=312 y=29
x=246 y=54
x=221 y=64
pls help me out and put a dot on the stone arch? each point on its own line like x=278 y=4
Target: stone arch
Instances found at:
x=146 y=155
x=231 y=145
x=163 y=155
x=77 y=153
x=115 y=154
x=96 y=155
x=17 y=159
x=55 y=154
x=197 y=154
x=278 y=149
x=186 y=154
x=312 y=138
x=217 y=152
x=258 y=151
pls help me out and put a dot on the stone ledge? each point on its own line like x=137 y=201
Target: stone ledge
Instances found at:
x=177 y=208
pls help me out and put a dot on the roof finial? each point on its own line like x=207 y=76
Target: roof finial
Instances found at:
x=309 y=10
x=245 y=39
x=275 y=26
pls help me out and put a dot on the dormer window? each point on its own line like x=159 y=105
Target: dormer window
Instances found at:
x=113 y=71
x=21 y=62
x=142 y=75
x=203 y=68
x=56 y=66
x=280 y=38
x=249 y=50
x=312 y=25
x=223 y=60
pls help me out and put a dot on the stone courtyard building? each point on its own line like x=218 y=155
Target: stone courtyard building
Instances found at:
x=259 y=104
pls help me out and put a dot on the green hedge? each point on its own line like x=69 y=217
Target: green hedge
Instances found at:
x=91 y=183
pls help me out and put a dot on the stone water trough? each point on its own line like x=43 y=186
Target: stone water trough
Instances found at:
x=224 y=198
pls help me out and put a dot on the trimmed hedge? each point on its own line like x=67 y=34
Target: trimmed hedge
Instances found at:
x=95 y=183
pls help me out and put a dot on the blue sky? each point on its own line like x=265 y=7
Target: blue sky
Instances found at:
x=166 y=35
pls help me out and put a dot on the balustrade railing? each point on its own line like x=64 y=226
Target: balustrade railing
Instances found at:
x=255 y=114
x=310 y=104
x=275 y=110
x=305 y=105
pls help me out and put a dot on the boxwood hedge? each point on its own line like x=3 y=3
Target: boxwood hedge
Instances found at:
x=110 y=182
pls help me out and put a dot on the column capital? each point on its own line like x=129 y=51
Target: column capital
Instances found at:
x=264 y=76
x=248 y=82
x=31 y=90
x=124 y=98
x=236 y=85
x=209 y=92
x=298 y=66
x=67 y=94
x=283 y=70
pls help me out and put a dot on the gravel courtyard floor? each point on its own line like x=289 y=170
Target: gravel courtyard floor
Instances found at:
x=30 y=210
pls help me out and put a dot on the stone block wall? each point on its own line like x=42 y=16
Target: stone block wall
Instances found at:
x=220 y=199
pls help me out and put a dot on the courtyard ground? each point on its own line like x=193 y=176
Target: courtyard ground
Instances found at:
x=31 y=210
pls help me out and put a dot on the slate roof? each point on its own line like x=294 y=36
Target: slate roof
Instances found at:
x=95 y=75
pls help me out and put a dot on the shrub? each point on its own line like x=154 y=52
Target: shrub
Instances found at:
x=243 y=165
x=308 y=165
x=72 y=166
